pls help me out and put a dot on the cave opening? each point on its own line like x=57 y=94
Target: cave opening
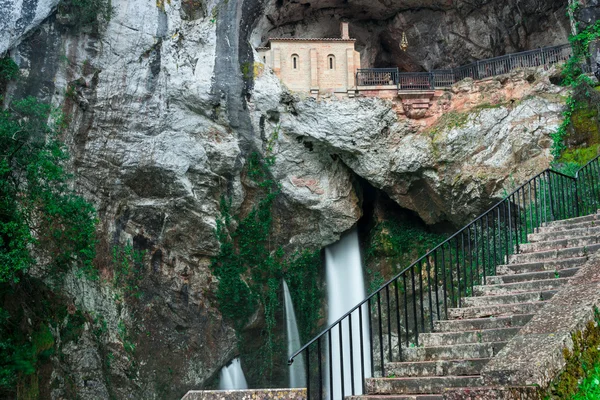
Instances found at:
x=442 y=35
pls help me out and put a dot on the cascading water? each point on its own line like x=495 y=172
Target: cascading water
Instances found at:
x=232 y=377
x=297 y=371
x=345 y=289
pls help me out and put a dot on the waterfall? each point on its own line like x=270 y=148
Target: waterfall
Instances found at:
x=232 y=377
x=345 y=289
x=297 y=370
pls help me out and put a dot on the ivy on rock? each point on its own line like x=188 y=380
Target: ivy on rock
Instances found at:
x=583 y=97
x=250 y=268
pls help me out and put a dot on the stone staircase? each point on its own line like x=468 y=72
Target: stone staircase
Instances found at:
x=455 y=354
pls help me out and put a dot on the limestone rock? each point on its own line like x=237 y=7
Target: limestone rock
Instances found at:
x=19 y=17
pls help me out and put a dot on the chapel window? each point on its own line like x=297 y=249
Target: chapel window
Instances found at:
x=331 y=61
x=295 y=61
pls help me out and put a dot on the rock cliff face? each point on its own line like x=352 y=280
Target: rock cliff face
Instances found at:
x=164 y=115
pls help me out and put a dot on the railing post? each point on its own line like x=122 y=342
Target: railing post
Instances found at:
x=543 y=57
x=431 y=81
x=477 y=70
x=576 y=194
x=397 y=79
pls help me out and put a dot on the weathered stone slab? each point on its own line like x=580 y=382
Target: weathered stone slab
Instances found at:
x=495 y=393
x=250 y=394
x=535 y=355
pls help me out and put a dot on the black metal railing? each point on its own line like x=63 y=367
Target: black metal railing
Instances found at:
x=440 y=79
x=388 y=322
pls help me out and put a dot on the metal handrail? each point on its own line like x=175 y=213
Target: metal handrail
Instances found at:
x=477 y=70
x=548 y=196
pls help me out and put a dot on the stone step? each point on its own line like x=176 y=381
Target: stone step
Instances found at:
x=396 y=397
x=577 y=241
x=493 y=393
x=462 y=325
x=496 y=310
x=578 y=232
x=574 y=221
x=470 y=336
x=532 y=276
x=452 y=352
x=436 y=367
x=567 y=228
x=518 y=287
x=538 y=266
x=428 y=385
x=569 y=252
x=513 y=298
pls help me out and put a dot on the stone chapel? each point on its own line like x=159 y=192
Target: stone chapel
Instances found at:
x=315 y=65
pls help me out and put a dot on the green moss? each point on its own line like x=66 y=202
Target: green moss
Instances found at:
x=584 y=121
x=580 y=378
x=579 y=156
x=448 y=121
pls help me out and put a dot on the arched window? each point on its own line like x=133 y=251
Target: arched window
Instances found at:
x=295 y=61
x=331 y=61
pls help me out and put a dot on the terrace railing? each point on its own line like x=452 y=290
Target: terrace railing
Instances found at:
x=440 y=79
x=390 y=320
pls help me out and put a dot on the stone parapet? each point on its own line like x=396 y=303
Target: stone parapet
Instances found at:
x=250 y=394
x=535 y=355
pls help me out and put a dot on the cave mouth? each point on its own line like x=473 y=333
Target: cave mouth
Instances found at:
x=377 y=207
x=442 y=35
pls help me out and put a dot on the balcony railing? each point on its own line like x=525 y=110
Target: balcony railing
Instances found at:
x=441 y=79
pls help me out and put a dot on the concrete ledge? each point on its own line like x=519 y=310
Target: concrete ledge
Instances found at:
x=250 y=394
x=535 y=355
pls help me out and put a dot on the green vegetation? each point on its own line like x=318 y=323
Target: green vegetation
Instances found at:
x=396 y=244
x=41 y=218
x=128 y=269
x=580 y=379
x=580 y=116
x=9 y=70
x=449 y=120
x=82 y=13
x=250 y=268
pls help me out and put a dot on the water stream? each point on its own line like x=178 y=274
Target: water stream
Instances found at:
x=297 y=369
x=232 y=377
x=345 y=289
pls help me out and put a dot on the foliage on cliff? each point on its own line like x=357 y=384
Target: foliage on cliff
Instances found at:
x=43 y=224
x=397 y=244
x=82 y=13
x=584 y=97
x=250 y=269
